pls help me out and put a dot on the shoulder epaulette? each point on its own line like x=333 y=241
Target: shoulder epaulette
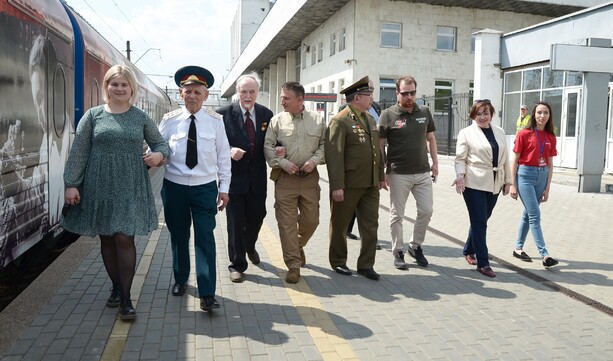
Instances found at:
x=213 y=113
x=174 y=113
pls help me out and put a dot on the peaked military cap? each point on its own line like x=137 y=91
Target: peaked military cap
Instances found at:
x=194 y=74
x=358 y=87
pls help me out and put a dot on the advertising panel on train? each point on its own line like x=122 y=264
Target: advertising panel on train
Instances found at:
x=36 y=59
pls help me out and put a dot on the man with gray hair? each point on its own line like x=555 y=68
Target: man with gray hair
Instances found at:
x=246 y=123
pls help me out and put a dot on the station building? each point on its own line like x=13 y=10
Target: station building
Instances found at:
x=492 y=50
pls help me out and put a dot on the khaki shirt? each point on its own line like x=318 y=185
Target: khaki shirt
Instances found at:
x=301 y=134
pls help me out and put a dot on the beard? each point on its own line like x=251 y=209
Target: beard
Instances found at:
x=407 y=103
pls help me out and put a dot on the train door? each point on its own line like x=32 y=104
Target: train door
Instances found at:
x=57 y=129
x=569 y=124
x=609 y=157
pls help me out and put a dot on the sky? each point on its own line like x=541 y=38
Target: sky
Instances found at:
x=186 y=32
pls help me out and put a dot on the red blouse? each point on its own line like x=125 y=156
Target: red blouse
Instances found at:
x=529 y=146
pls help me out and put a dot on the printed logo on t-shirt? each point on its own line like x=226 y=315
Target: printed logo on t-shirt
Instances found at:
x=399 y=123
x=421 y=120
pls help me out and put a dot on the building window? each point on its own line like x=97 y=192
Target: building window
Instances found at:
x=320 y=51
x=442 y=91
x=390 y=35
x=303 y=61
x=473 y=39
x=332 y=87
x=387 y=93
x=319 y=88
x=313 y=55
x=341 y=43
x=332 y=44
x=528 y=86
x=446 y=38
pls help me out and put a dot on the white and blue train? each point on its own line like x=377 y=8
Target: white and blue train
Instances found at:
x=52 y=65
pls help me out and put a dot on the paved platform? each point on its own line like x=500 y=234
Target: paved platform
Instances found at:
x=447 y=311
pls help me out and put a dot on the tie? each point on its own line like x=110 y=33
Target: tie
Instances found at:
x=191 y=156
x=250 y=132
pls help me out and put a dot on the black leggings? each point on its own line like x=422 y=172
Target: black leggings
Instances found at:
x=119 y=257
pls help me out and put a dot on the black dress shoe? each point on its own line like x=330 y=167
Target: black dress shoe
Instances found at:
x=208 y=303
x=179 y=289
x=522 y=255
x=344 y=270
x=126 y=311
x=113 y=300
x=369 y=273
x=352 y=236
x=254 y=257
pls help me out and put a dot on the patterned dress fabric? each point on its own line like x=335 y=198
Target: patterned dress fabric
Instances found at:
x=106 y=165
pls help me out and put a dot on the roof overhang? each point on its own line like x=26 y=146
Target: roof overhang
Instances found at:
x=290 y=21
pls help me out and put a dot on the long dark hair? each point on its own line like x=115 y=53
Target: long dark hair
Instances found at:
x=549 y=125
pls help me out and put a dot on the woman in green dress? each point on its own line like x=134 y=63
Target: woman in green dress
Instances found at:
x=107 y=184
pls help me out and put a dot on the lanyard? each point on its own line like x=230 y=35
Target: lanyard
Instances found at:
x=538 y=140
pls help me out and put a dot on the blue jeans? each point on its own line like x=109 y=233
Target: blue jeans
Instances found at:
x=480 y=205
x=531 y=182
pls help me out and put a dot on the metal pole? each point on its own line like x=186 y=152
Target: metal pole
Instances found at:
x=450 y=125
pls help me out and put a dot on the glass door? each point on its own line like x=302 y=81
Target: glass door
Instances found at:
x=567 y=145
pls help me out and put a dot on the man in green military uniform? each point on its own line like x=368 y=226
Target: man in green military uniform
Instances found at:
x=355 y=170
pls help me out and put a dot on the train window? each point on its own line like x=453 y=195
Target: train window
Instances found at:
x=94 y=94
x=59 y=101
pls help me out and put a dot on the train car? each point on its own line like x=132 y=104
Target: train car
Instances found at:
x=52 y=66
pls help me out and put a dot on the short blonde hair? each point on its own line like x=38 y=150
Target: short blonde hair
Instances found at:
x=119 y=70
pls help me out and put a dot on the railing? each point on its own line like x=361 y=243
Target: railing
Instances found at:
x=450 y=115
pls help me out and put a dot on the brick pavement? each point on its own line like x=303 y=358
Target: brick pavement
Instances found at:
x=446 y=311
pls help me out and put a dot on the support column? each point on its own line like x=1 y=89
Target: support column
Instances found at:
x=290 y=66
x=592 y=135
x=488 y=82
x=273 y=104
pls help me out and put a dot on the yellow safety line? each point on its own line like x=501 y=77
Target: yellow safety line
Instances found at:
x=328 y=339
x=117 y=339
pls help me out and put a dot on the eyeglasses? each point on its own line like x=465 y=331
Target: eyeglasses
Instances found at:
x=485 y=101
x=406 y=94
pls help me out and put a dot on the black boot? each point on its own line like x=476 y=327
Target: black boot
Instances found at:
x=113 y=300
x=126 y=311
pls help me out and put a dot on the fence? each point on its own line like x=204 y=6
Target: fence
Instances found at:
x=450 y=115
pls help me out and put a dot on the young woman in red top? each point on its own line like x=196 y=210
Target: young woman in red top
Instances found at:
x=535 y=147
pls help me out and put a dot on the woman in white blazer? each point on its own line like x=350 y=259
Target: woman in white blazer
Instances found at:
x=482 y=170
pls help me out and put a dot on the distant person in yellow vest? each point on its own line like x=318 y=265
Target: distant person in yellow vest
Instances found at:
x=524 y=118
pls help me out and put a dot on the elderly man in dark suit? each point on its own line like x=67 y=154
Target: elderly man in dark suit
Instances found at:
x=355 y=170
x=246 y=123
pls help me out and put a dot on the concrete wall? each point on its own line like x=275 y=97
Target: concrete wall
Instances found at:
x=417 y=56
